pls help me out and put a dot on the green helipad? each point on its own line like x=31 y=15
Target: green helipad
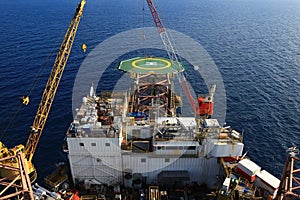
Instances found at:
x=149 y=64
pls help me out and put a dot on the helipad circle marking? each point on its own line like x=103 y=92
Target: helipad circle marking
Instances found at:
x=151 y=68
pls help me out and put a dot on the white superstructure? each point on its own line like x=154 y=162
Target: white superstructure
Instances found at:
x=129 y=139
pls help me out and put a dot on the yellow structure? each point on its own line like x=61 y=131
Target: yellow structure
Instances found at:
x=83 y=47
x=154 y=193
x=8 y=166
x=25 y=100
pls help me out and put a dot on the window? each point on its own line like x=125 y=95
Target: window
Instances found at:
x=191 y=148
x=107 y=144
x=98 y=160
x=171 y=148
x=93 y=144
x=81 y=144
x=167 y=159
x=143 y=159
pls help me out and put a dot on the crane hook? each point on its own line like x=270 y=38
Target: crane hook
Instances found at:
x=83 y=47
x=25 y=100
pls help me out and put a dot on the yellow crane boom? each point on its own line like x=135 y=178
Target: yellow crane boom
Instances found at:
x=52 y=84
x=16 y=163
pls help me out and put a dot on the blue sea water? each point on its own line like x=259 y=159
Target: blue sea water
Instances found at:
x=254 y=43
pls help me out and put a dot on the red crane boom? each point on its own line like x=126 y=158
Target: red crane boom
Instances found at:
x=172 y=55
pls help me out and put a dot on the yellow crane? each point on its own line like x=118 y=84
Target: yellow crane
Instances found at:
x=9 y=163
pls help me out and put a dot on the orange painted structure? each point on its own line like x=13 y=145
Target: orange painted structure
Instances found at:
x=206 y=107
x=290 y=179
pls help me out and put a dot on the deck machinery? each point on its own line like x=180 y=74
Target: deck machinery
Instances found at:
x=146 y=139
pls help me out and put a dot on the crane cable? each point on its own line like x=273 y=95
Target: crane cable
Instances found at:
x=11 y=117
x=44 y=65
x=142 y=49
x=143 y=32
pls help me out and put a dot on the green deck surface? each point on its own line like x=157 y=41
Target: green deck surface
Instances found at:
x=146 y=65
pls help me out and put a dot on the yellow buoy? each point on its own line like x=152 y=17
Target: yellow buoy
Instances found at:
x=25 y=100
x=83 y=47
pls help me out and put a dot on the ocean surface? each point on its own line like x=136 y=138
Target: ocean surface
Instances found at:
x=254 y=43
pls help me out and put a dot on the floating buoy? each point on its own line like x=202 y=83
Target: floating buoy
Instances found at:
x=25 y=100
x=83 y=47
